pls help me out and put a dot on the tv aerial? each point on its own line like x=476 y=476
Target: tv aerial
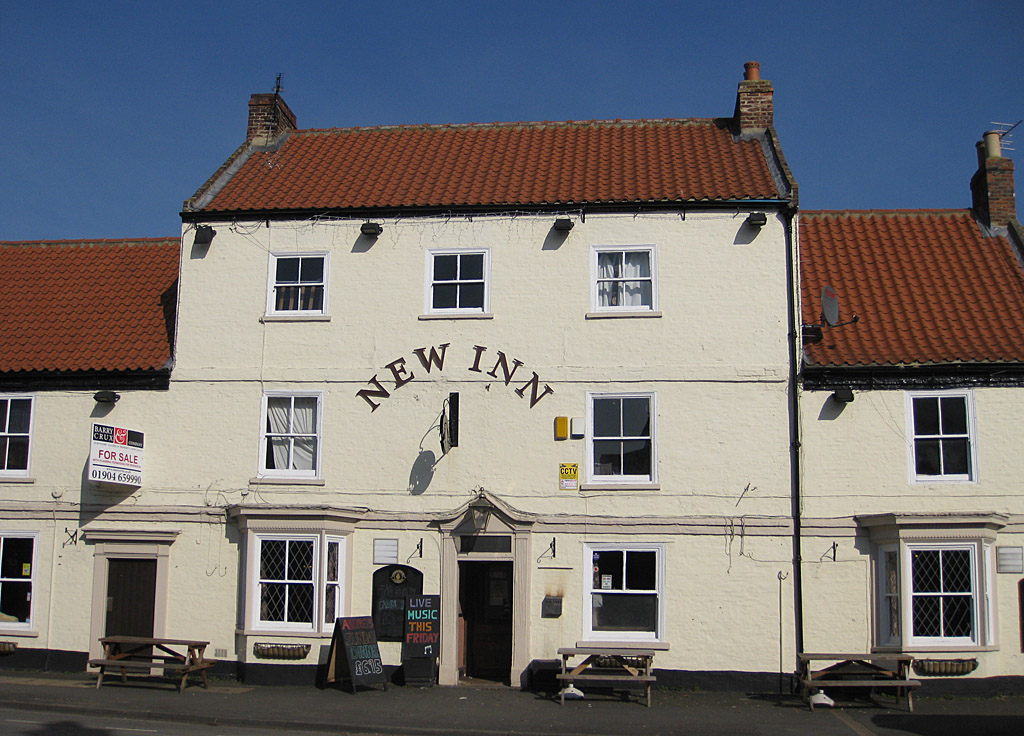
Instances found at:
x=829 y=316
x=1005 y=131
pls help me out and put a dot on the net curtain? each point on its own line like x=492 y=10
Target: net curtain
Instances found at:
x=625 y=279
x=291 y=432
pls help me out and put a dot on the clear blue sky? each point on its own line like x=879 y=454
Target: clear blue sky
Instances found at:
x=115 y=112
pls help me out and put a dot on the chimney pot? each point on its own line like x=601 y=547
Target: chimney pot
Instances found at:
x=754 y=107
x=992 y=194
x=993 y=144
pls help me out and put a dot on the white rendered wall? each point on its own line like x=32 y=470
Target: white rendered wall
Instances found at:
x=715 y=358
x=855 y=461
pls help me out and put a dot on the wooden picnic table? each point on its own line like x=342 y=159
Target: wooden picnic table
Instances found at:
x=145 y=653
x=607 y=665
x=857 y=670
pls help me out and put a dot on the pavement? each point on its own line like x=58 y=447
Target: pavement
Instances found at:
x=489 y=711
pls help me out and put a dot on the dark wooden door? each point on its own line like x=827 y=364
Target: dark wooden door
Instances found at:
x=131 y=597
x=486 y=600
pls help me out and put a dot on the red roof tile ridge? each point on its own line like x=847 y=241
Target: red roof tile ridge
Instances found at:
x=510 y=125
x=95 y=241
x=914 y=211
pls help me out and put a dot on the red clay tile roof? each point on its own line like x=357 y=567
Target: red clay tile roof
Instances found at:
x=928 y=286
x=93 y=305
x=500 y=164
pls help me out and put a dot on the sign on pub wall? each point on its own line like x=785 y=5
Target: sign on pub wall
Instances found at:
x=115 y=455
x=401 y=370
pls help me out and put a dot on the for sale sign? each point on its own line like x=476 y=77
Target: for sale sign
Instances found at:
x=116 y=455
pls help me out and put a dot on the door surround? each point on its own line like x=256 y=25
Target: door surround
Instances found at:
x=127 y=544
x=485 y=515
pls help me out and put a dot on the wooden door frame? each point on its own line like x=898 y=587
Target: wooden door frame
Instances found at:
x=468 y=653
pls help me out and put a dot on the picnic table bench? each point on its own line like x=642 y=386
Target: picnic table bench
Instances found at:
x=874 y=670
x=141 y=654
x=608 y=665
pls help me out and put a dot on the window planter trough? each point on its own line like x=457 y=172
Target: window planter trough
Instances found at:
x=280 y=651
x=944 y=667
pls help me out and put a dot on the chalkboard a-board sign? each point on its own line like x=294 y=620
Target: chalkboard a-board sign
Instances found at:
x=422 y=627
x=356 y=638
x=391 y=586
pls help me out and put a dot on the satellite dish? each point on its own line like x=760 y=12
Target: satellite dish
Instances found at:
x=829 y=306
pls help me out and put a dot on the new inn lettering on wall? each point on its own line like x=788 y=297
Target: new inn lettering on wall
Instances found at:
x=504 y=369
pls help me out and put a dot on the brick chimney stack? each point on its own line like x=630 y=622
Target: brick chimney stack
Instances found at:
x=269 y=117
x=754 y=106
x=992 y=195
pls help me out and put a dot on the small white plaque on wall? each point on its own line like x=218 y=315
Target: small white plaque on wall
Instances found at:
x=1010 y=559
x=385 y=551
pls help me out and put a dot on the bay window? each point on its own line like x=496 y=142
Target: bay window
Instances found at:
x=934 y=594
x=297 y=584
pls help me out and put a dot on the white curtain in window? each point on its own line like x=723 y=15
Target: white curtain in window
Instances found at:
x=608 y=268
x=304 y=452
x=277 y=425
x=637 y=287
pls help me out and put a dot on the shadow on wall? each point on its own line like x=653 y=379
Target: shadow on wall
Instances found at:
x=831 y=409
x=422 y=472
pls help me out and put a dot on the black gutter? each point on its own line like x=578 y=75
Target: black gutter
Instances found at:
x=903 y=377
x=153 y=380
x=499 y=208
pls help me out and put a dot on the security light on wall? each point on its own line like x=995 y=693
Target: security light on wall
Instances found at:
x=204 y=235
x=563 y=224
x=842 y=395
x=106 y=397
x=372 y=229
x=756 y=220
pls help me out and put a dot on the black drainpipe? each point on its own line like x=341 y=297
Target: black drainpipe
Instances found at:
x=795 y=356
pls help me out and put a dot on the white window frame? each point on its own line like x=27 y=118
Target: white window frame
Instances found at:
x=272 y=310
x=319 y=581
x=595 y=278
x=4 y=419
x=972 y=455
x=428 y=296
x=982 y=605
x=589 y=590
x=16 y=626
x=264 y=471
x=593 y=477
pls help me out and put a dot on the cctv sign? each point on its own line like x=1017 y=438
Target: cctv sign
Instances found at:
x=116 y=455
